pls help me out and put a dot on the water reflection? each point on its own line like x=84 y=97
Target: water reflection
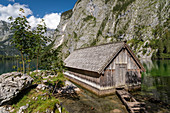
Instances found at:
x=156 y=67
x=7 y=66
x=156 y=79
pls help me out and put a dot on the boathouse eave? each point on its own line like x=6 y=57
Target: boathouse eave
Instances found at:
x=69 y=67
x=135 y=58
x=99 y=67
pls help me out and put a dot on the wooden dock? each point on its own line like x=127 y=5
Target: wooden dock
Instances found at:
x=131 y=104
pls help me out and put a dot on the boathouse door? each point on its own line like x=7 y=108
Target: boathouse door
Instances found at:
x=121 y=70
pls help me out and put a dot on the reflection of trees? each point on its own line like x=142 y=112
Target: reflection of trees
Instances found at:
x=156 y=80
x=7 y=65
x=156 y=67
x=157 y=87
x=147 y=63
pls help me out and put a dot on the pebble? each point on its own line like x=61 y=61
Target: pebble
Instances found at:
x=116 y=111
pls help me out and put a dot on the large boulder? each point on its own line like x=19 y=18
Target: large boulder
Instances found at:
x=11 y=84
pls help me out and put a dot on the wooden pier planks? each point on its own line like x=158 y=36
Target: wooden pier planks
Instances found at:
x=131 y=104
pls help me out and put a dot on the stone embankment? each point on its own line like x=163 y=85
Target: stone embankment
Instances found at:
x=11 y=84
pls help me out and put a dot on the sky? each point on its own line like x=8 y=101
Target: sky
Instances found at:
x=35 y=10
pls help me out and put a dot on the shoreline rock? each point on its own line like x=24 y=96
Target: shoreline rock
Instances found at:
x=11 y=84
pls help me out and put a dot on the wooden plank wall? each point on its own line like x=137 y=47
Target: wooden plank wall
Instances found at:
x=95 y=80
x=109 y=78
x=123 y=58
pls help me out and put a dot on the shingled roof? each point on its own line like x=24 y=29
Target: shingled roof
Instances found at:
x=94 y=58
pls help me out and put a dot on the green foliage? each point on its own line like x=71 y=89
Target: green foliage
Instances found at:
x=99 y=33
x=58 y=81
x=89 y=17
x=37 y=79
x=67 y=14
x=48 y=104
x=122 y=5
x=106 y=1
x=52 y=60
x=78 y=1
x=161 y=41
x=144 y=51
x=39 y=105
x=21 y=37
x=30 y=43
x=75 y=36
x=40 y=41
x=102 y=26
x=94 y=42
x=56 y=30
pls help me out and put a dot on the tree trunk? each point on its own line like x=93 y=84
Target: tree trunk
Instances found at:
x=23 y=63
x=37 y=63
x=17 y=65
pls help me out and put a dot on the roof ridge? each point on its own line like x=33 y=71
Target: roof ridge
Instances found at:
x=99 y=45
x=111 y=57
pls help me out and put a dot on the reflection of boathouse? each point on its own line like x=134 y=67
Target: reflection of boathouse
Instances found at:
x=103 y=68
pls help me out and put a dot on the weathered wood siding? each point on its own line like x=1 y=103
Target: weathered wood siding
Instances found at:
x=86 y=75
x=119 y=71
x=123 y=58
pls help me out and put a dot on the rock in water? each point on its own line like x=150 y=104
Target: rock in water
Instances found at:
x=11 y=84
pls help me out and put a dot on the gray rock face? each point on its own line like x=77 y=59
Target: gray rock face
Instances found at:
x=5 y=31
x=93 y=22
x=3 y=110
x=5 y=37
x=11 y=84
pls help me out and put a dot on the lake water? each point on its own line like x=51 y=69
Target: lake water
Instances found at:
x=156 y=80
x=155 y=84
x=8 y=66
x=155 y=89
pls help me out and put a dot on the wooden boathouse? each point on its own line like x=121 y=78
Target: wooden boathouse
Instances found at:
x=101 y=69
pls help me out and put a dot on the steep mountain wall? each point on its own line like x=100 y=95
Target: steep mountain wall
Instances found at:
x=5 y=36
x=91 y=22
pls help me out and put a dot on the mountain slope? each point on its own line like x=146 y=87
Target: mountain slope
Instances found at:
x=143 y=23
x=5 y=36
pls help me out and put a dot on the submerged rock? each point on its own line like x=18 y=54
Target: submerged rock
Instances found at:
x=11 y=84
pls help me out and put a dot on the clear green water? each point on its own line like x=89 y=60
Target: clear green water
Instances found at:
x=156 y=80
x=7 y=66
x=157 y=68
x=155 y=84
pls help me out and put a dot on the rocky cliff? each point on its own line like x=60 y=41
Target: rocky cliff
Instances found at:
x=91 y=22
x=5 y=36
